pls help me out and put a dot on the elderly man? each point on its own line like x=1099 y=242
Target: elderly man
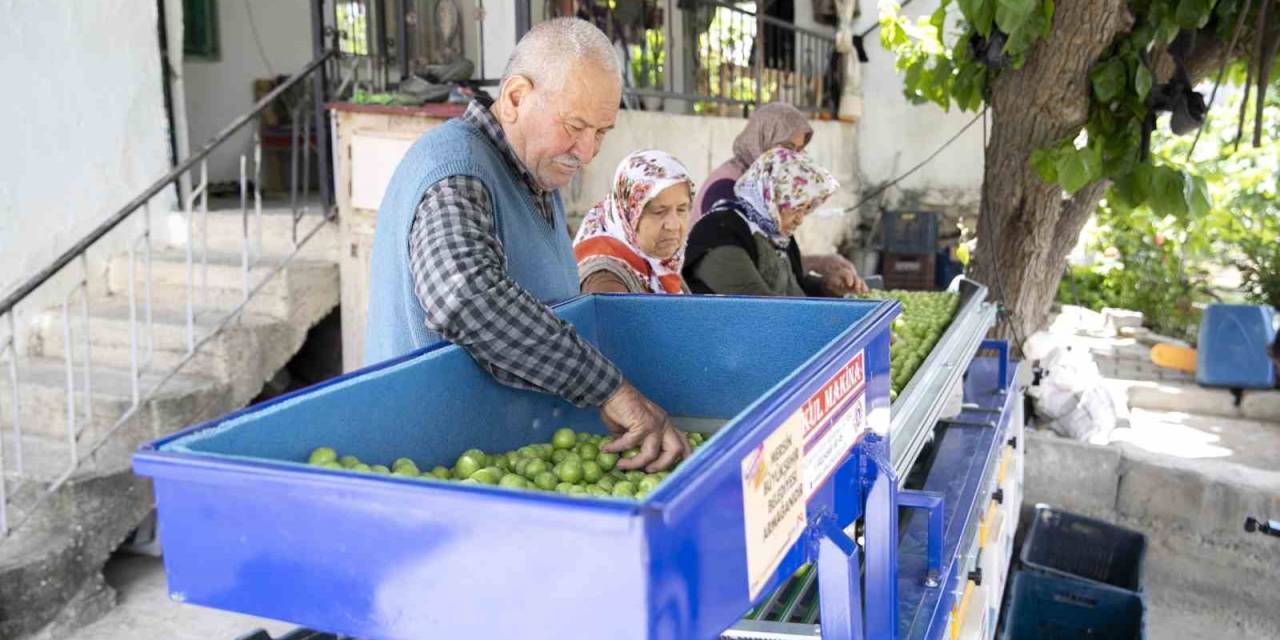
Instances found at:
x=471 y=243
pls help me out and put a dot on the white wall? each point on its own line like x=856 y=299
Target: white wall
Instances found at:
x=499 y=37
x=82 y=126
x=221 y=90
x=894 y=134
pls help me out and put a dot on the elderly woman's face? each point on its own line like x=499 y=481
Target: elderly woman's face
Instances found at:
x=664 y=222
x=563 y=129
x=791 y=217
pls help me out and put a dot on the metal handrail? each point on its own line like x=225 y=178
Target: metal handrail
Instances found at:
x=42 y=276
x=79 y=397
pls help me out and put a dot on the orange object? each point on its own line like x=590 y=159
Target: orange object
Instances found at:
x=1174 y=357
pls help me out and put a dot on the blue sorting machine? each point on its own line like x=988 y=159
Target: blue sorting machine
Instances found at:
x=956 y=458
x=798 y=485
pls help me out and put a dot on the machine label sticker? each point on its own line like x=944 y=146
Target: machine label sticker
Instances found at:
x=773 y=502
x=835 y=417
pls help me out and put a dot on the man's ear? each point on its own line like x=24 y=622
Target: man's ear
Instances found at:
x=515 y=91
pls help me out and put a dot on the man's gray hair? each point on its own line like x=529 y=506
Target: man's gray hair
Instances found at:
x=550 y=49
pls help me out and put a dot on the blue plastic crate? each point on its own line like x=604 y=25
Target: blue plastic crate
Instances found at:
x=912 y=232
x=1074 y=546
x=947 y=269
x=248 y=527
x=1234 y=340
x=1044 y=606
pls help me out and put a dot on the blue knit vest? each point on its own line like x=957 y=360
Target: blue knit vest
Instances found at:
x=539 y=255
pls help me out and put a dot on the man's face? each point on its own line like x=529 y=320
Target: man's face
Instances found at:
x=557 y=130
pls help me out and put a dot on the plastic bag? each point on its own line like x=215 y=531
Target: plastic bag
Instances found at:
x=1071 y=398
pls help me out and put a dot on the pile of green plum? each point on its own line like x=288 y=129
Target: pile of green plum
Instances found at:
x=925 y=316
x=571 y=463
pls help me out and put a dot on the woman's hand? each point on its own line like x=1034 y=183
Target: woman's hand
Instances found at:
x=839 y=276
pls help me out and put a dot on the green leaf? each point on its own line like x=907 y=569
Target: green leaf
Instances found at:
x=942 y=83
x=1033 y=27
x=1079 y=167
x=1047 y=9
x=1168 y=191
x=1022 y=7
x=1166 y=32
x=970 y=83
x=1012 y=14
x=980 y=13
x=1142 y=81
x=1107 y=79
x=1132 y=189
x=939 y=19
x=1044 y=161
x=1193 y=14
x=915 y=78
x=1199 y=202
x=892 y=35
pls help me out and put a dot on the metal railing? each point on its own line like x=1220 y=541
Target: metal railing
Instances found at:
x=714 y=57
x=308 y=135
x=381 y=42
x=703 y=56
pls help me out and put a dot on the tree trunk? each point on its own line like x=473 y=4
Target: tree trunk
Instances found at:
x=1026 y=228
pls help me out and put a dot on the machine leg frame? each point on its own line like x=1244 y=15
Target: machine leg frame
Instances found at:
x=881 y=537
x=839 y=578
x=1002 y=347
x=934 y=502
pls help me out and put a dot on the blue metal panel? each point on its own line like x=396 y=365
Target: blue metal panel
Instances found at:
x=966 y=453
x=248 y=527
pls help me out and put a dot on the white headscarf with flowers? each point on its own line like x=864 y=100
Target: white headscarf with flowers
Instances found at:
x=609 y=228
x=780 y=178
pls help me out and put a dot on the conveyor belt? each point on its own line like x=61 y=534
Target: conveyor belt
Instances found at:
x=920 y=404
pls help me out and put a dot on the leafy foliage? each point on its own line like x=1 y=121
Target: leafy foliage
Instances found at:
x=1160 y=263
x=949 y=58
x=1145 y=263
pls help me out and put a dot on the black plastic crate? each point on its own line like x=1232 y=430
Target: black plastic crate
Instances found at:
x=1045 y=606
x=1066 y=544
x=915 y=272
x=911 y=231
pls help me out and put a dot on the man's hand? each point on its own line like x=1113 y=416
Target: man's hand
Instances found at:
x=839 y=276
x=635 y=421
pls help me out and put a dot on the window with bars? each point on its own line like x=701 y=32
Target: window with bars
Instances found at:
x=200 y=29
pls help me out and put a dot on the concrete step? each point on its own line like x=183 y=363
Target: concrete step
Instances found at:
x=1255 y=404
x=224 y=232
x=51 y=567
x=38 y=575
x=50 y=579
x=1183 y=489
x=301 y=289
x=163 y=344
x=181 y=401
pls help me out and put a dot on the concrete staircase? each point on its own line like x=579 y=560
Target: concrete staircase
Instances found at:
x=50 y=568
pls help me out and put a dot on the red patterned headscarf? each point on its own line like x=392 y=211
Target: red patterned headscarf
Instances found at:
x=609 y=228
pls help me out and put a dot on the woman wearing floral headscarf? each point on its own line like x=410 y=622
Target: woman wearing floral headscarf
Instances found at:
x=776 y=124
x=745 y=246
x=773 y=125
x=633 y=241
